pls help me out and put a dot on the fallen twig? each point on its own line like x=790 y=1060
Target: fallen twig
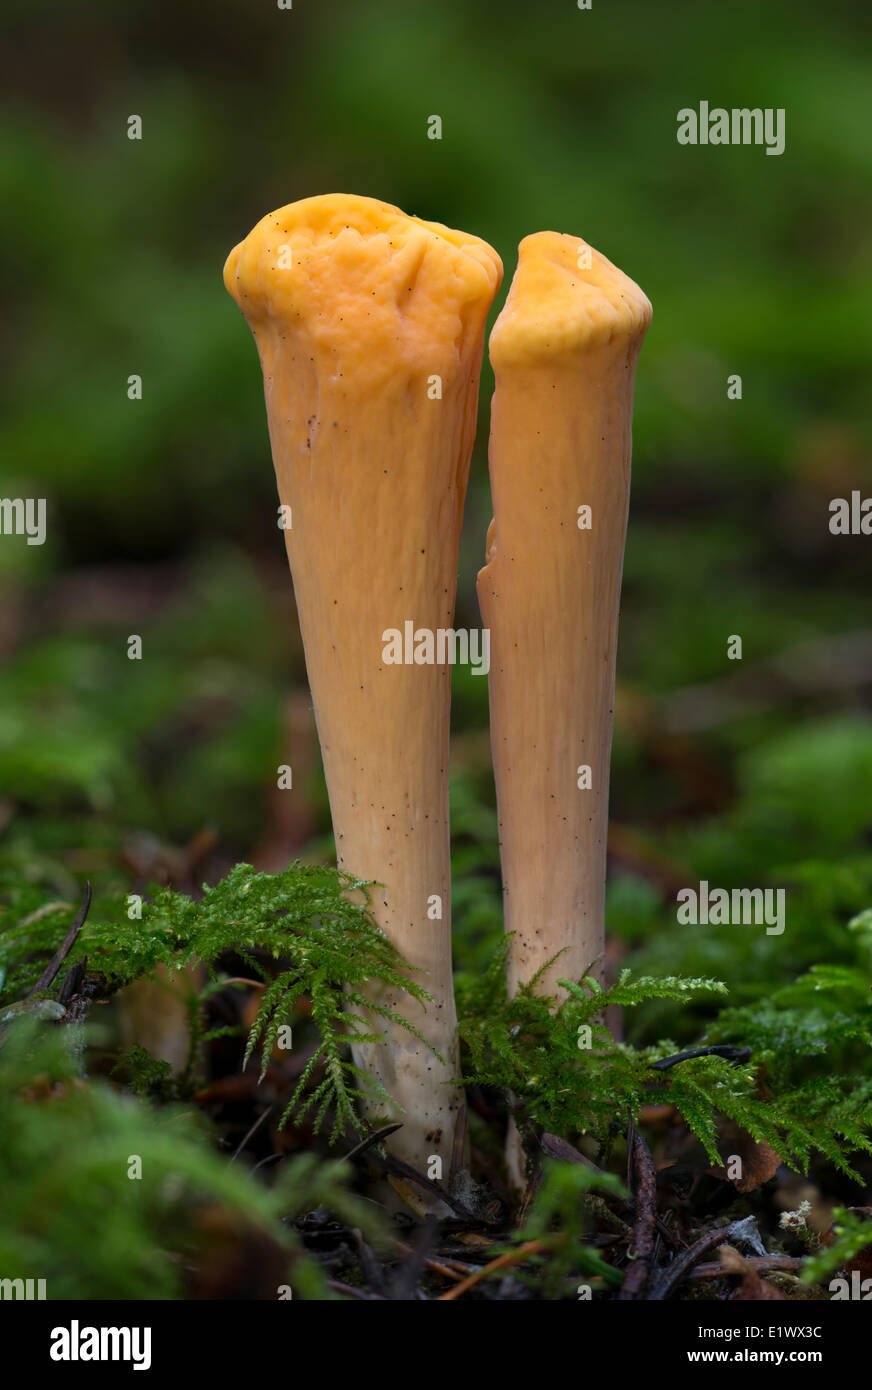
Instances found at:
x=389 y=1164
x=351 y=1292
x=678 y=1270
x=505 y=1261
x=555 y=1147
x=65 y=947
x=370 y=1266
x=252 y=1131
x=404 y=1283
x=359 y=1149
x=731 y=1054
x=636 y=1278
x=713 y=1269
x=443 y=1265
x=681 y=1265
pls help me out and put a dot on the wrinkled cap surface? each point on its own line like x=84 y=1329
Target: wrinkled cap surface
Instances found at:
x=565 y=298
x=361 y=277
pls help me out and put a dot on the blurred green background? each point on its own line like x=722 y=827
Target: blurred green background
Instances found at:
x=162 y=511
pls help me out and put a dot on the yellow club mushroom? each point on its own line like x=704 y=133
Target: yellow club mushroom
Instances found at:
x=564 y=353
x=370 y=328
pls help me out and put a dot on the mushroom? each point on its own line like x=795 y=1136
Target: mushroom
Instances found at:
x=564 y=353
x=370 y=328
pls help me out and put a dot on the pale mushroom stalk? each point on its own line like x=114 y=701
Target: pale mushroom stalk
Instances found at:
x=370 y=328
x=564 y=353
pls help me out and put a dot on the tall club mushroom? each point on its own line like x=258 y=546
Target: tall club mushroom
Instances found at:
x=370 y=328
x=564 y=353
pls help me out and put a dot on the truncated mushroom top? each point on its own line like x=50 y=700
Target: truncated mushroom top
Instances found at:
x=370 y=328
x=565 y=297
x=564 y=353
x=364 y=282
